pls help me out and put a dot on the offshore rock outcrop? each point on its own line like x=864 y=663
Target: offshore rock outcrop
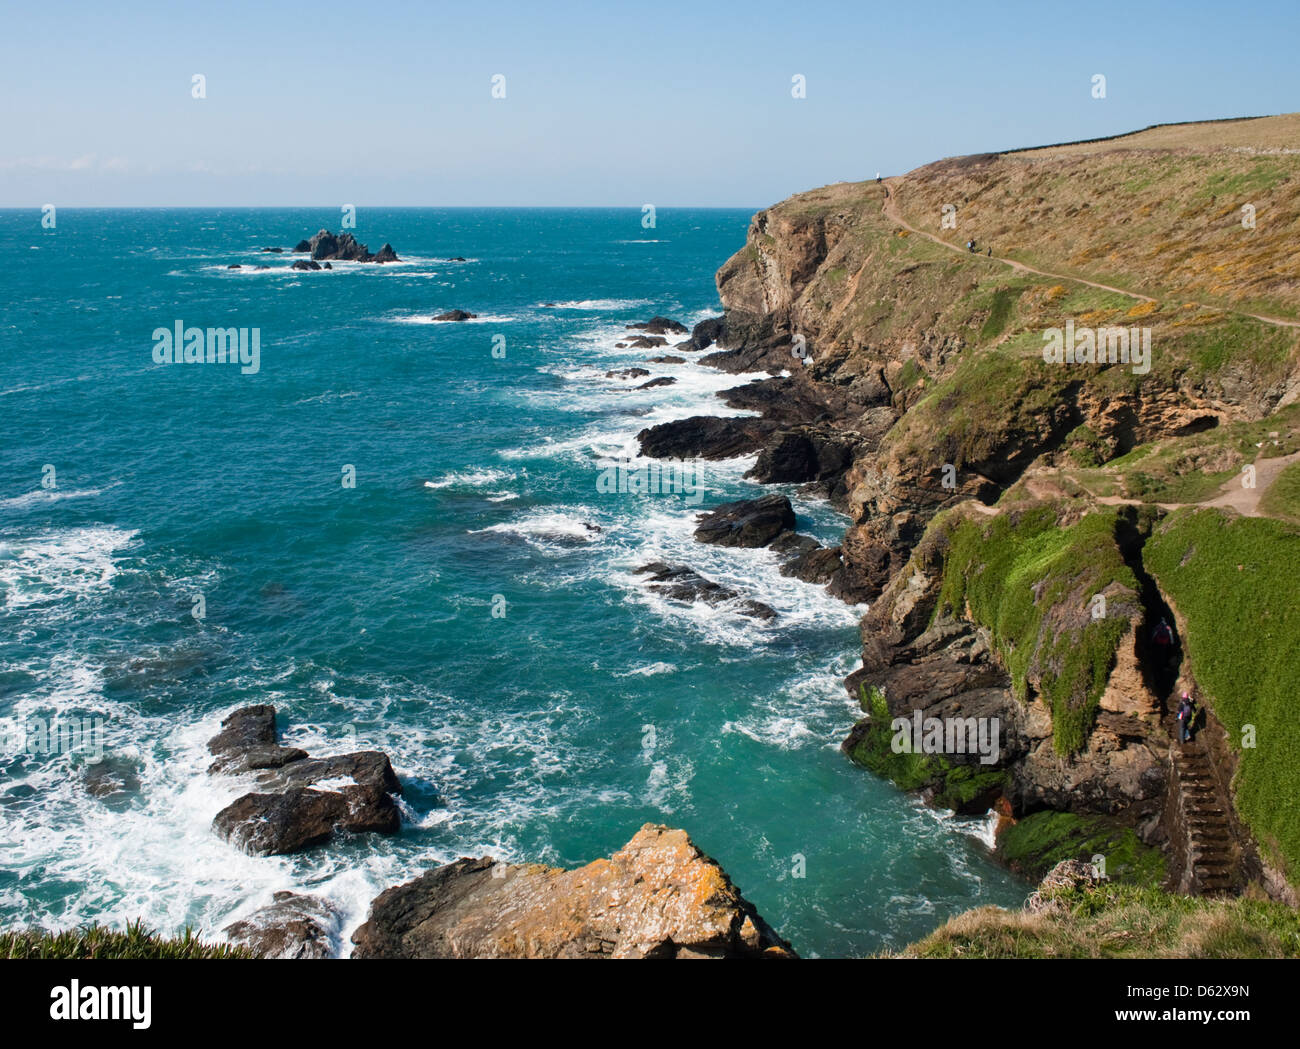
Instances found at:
x=657 y=897
x=300 y=801
x=342 y=248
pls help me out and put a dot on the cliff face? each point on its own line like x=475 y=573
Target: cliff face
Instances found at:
x=933 y=360
x=657 y=897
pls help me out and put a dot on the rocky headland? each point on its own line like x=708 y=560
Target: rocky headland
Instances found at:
x=1019 y=527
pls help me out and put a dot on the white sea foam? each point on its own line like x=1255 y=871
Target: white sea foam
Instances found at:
x=55 y=566
x=38 y=496
x=432 y=318
x=548 y=527
x=596 y=305
x=472 y=479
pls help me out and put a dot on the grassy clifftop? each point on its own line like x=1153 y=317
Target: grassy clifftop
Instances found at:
x=1183 y=234
x=1119 y=921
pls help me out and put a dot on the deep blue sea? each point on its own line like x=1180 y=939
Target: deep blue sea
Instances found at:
x=130 y=490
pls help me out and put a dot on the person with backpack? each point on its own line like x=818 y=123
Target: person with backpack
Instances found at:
x=1184 y=718
x=1163 y=635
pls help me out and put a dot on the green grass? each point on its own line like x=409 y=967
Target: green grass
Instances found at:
x=955 y=786
x=1283 y=498
x=999 y=313
x=1031 y=582
x=1120 y=921
x=1234 y=582
x=1034 y=845
x=96 y=942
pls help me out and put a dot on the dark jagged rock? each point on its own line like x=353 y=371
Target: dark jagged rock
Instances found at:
x=628 y=373
x=804 y=454
x=644 y=342
x=668 y=360
x=663 y=380
x=456 y=315
x=234 y=266
x=704 y=334
x=805 y=558
x=247 y=741
x=306 y=264
x=275 y=251
x=681 y=583
x=657 y=897
x=292 y=926
x=246 y=728
x=746 y=522
x=298 y=818
x=660 y=326
x=364 y=767
x=326 y=246
x=704 y=437
x=301 y=801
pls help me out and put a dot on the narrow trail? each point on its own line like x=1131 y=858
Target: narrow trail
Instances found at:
x=889 y=207
x=1232 y=494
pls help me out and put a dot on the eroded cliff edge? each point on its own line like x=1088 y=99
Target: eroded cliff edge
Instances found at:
x=1021 y=526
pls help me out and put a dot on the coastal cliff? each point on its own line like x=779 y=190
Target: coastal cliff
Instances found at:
x=1021 y=524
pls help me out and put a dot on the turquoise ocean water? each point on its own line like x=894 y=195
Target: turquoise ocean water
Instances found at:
x=549 y=733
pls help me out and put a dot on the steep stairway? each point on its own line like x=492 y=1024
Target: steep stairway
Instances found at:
x=1211 y=860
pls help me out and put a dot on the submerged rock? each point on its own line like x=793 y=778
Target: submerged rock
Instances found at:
x=746 y=522
x=682 y=583
x=456 y=315
x=660 y=326
x=113 y=781
x=292 y=926
x=657 y=897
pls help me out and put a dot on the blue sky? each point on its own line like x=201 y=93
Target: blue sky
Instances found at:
x=389 y=103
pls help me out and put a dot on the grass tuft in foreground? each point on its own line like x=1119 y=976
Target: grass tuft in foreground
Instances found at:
x=1119 y=921
x=96 y=942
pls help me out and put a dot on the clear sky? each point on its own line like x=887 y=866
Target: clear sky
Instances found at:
x=672 y=103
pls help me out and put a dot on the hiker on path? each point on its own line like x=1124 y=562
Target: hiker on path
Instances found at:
x=970 y=246
x=1163 y=639
x=1184 y=718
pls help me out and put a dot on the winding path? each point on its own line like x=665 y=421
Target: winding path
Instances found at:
x=889 y=207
